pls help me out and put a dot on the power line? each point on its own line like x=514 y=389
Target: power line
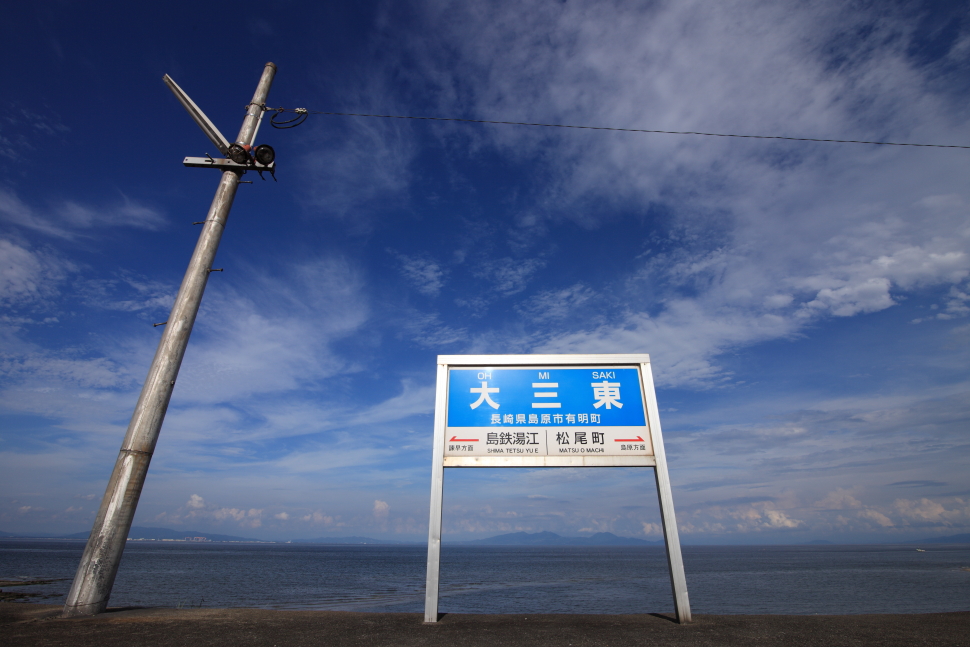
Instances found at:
x=302 y=115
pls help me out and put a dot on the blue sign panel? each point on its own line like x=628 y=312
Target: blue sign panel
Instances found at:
x=550 y=397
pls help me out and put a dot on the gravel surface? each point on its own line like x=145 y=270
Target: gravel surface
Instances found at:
x=39 y=624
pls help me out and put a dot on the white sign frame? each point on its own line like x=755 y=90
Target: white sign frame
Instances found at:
x=658 y=460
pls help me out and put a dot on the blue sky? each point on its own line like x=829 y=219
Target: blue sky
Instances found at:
x=804 y=304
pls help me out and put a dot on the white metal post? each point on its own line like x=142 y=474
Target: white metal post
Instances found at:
x=437 y=494
x=675 y=561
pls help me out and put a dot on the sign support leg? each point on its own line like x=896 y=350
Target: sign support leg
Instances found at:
x=675 y=561
x=437 y=494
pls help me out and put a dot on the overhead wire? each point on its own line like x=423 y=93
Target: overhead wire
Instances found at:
x=303 y=113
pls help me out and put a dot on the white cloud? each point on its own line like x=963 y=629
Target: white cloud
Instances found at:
x=424 y=274
x=127 y=213
x=28 y=276
x=128 y=293
x=68 y=219
x=426 y=329
x=277 y=337
x=743 y=242
x=556 y=304
x=772 y=236
x=870 y=296
x=833 y=458
x=956 y=305
x=682 y=340
x=839 y=499
x=778 y=519
x=48 y=372
x=360 y=166
x=876 y=516
x=652 y=528
x=14 y=211
x=196 y=509
x=508 y=276
x=318 y=517
x=774 y=301
x=927 y=511
x=412 y=400
x=742 y=516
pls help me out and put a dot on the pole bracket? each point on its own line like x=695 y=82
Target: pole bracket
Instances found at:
x=226 y=164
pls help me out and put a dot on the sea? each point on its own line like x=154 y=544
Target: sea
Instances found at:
x=513 y=579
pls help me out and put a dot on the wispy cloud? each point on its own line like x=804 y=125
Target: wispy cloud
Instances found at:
x=804 y=304
x=768 y=249
x=196 y=509
x=277 y=337
x=68 y=219
x=356 y=167
x=27 y=275
x=426 y=275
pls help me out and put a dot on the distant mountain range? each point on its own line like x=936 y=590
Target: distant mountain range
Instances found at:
x=344 y=541
x=511 y=539
x=951 y=539
x=24 y=535
x=552 y=539
x=138 y=532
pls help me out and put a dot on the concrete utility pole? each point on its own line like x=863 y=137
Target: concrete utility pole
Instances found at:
x=99 y=565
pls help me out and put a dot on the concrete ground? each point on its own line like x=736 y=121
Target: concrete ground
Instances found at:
x=39 y=624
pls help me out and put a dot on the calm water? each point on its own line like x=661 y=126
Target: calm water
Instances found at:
x=749 y=579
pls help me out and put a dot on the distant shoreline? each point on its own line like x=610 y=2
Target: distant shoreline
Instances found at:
x=469 y=544
x=544 y=538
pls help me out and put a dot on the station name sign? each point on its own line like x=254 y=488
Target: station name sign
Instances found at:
x=546 y=411
x=535 y=411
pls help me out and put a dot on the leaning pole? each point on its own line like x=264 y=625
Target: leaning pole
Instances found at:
x=99 y=564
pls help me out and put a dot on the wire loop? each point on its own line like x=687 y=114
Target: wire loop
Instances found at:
x=301 y=116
